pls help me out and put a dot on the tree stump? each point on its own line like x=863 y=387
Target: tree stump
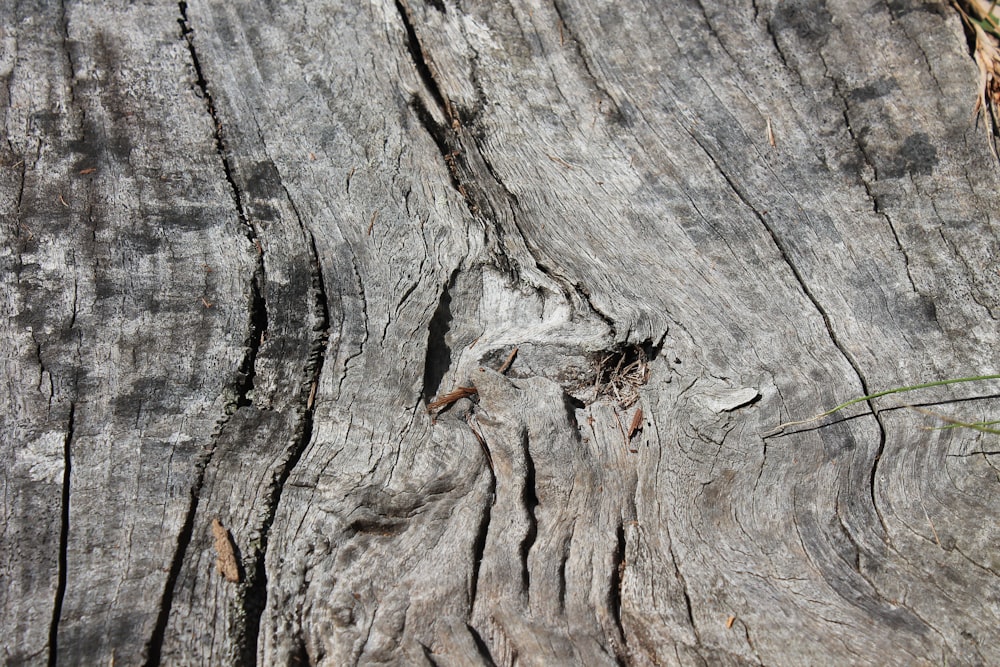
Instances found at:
x=456 y=333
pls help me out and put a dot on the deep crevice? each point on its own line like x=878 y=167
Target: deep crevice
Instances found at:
x=258 y=306
x=154 y=646
x=465 y=163
x=481 y=646
x=461 y=173
x=254 y=598
x=585 y=294
x=64 y=21
x=257 y=327
x=530 y=501
x=420 y=60
x=479 y=544
x=428 y=654
x=438 y=359
x=445 y=139
x=63 y=540
x=449 y=144
x=615 y=587
x=187 y=33
x=567 y=286
x=563 y=584
x=241 y=387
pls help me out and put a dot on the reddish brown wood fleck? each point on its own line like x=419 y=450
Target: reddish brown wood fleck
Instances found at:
x=636 y=424
x=225 y=553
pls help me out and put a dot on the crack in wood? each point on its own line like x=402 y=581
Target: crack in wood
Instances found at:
x=364 y=320
x=834 y=338
x=154 y=645
x=616 y=582
x=584 y=60
x=529 y=501
x=481 y=646
x=187 y=33
x=438 y=359
x=62 y=565
x=420 y=61
x=466 y=160
x=258 y=306
x=242 y=385
x=254 y=596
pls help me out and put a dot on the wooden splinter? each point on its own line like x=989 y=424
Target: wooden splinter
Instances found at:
x=225 y=559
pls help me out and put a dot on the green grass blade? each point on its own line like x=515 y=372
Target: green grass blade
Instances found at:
x=897 y=390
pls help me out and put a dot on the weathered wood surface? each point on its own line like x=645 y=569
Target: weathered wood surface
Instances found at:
x=245 y=244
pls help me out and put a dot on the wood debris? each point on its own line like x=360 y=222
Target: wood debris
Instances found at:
x=621 y=374
x=559 y=160
x=982 y=22
x=312 y=395
x=636 y=424
x=445 y=400
x=225 y=560
x=506 y=364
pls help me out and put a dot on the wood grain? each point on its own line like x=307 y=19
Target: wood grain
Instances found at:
x=246 y=245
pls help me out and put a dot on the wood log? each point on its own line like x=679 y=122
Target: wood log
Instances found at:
x=247 y=246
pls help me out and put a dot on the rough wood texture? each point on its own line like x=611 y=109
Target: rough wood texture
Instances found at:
x=246 y=244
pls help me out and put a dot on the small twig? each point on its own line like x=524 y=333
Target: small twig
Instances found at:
x=445 y=400
x=559 y=160
x=371 y=223
x=312 y=395
x=506 y=365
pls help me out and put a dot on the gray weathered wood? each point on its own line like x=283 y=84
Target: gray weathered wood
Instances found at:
x=246 y=244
